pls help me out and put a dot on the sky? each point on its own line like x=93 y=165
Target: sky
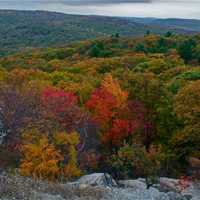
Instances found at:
x=126 y=8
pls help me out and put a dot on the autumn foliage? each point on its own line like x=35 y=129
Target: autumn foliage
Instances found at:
x=120 y=130
x=63 y=106
x=43 y=159
x=125 y=106
x=112 y=86
x=102 y=104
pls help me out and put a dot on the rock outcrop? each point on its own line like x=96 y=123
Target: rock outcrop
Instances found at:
x=98 y=186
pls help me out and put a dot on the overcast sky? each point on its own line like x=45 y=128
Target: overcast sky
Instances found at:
x=134 y=8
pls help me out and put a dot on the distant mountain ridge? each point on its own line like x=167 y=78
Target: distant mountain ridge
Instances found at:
x=30 y=29
x=184 y=24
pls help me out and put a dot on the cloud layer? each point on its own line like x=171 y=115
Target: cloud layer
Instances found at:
x=128 y=8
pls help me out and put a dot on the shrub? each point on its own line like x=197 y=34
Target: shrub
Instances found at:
x=135 y=161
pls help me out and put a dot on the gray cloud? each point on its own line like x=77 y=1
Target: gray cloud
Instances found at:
x=102 y=1
x=134 y=8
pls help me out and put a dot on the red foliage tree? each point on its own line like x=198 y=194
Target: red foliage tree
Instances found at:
x=120 y=131
x=63 y=106
x=102 y=104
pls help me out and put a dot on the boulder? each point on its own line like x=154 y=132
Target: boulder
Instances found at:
x=98 y=179
x=137 y=190
x=168 y=184
x=134 y=184
x=172 y=186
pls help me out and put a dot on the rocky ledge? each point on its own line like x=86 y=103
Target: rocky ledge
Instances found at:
x=98 y=186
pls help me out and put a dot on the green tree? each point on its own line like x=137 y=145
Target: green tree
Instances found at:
x=186 y=49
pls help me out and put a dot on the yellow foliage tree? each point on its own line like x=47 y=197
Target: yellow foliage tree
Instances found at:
x=70 y=141
x=3 y=74
x=113 y=87
x=50 y=159
x=41 y=160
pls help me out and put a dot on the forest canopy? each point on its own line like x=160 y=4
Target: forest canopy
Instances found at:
x=129 y=107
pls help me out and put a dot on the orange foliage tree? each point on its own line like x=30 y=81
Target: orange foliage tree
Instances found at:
x=107 y=105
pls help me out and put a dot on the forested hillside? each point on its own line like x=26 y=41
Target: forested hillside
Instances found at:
x=192 y=25
x=28 y=29
x=129 y=107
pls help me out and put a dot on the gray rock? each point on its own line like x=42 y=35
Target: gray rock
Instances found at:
x=139 y=193
x=168 y=184
x=135 y=184
x=192 y=191
x=98 y=179
x=171 y=186
x=167 y=189
x=93 y=187
x=43 y=196
x=176 y=196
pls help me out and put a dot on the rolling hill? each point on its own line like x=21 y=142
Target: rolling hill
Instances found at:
x=28 y=29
